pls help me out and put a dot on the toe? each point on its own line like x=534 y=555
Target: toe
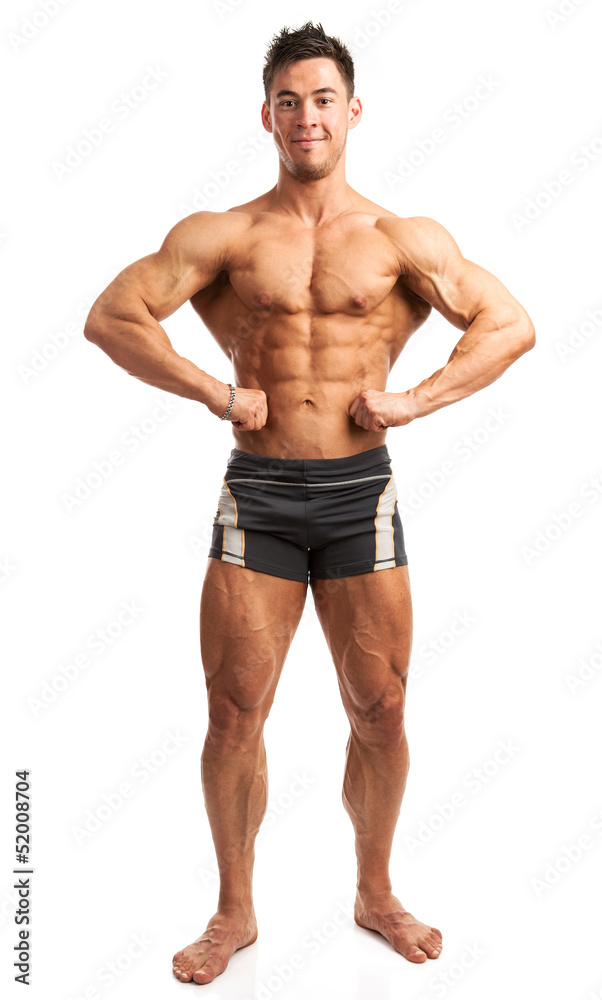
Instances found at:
x=181 y=967
x=204 y=975
x=416 y=955
x=182 y=975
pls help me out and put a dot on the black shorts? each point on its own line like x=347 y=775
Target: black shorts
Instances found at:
x=309 y=517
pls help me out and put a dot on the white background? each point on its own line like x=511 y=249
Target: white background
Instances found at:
x=487 y=542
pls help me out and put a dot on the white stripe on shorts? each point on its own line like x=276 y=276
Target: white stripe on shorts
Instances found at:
x=233 y=544
x=279 y=482
x=385 y=543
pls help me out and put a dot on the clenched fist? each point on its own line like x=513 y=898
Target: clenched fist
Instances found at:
x=249 y=411
x=375 y=411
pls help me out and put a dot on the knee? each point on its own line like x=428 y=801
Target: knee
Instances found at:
x=239 y=704
x=232 y=722
x=380 y=721
x=240 y=693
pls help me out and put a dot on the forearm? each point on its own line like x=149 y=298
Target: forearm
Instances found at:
x=484 y=352
x=142 y=348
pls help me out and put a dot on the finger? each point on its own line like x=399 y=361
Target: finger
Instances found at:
x=359 y=411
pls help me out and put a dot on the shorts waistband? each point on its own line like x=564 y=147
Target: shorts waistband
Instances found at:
x=307 y=469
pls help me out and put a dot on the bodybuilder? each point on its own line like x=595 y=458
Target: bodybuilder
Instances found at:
x=312 y=291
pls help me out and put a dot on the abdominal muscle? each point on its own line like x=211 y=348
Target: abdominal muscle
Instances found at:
x=308 y=409
x=305 y=424
x=311 y=367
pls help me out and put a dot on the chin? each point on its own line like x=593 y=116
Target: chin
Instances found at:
x=306 y=170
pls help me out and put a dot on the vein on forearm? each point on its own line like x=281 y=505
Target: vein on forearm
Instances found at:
x=489 y=346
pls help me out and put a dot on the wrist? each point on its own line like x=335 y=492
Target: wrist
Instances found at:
x=417 y=402
x=214 y=394
x=228 y=410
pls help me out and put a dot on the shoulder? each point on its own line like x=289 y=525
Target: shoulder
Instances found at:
x=420 y=241
x=207 y=223
x=416 y=235
x=206 y=234
x=417 y=232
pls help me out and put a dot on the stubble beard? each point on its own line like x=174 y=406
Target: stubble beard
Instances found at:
x=305 y=170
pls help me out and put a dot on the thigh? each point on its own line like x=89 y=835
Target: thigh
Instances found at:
x=367 y=623
x=248 y=620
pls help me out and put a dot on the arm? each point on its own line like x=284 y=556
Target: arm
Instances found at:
x=497 y=328
x=125 y=319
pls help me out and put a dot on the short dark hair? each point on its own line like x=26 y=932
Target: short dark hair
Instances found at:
x=308 y=42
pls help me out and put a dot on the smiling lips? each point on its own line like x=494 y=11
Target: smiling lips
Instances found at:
x=311 y=140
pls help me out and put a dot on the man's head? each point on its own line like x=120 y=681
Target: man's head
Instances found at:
x=309 y=105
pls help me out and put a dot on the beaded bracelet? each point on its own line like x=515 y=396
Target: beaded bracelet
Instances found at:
x=231 y=403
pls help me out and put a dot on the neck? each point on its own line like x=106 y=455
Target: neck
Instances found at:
x=313 y=201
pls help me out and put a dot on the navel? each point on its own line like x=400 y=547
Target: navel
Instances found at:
x=360 y=301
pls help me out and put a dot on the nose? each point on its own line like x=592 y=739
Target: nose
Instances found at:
x=308 y=116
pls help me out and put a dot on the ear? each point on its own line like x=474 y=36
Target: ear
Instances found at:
x=355 y=112
x=266 y=118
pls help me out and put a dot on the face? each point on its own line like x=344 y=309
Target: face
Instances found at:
x=309 y=116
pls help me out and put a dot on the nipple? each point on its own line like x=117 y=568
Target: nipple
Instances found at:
x=360 y=301
x=262 y=299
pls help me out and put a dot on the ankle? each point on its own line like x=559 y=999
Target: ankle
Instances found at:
x=235 y=905
x=372 y=888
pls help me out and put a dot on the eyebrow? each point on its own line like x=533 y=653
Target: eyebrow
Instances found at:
x=292 y=93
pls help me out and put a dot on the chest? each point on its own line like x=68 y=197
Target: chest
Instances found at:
x=326 y=272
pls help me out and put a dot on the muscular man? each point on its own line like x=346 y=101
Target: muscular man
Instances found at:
x=312 y=291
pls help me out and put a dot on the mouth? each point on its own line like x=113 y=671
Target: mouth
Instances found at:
x=307 y=142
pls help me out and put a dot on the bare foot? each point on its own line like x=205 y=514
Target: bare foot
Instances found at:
x=384 y=913
x=208 y=956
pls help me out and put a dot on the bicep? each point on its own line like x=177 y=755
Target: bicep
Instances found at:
x=190 y=258
x=458 y=288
